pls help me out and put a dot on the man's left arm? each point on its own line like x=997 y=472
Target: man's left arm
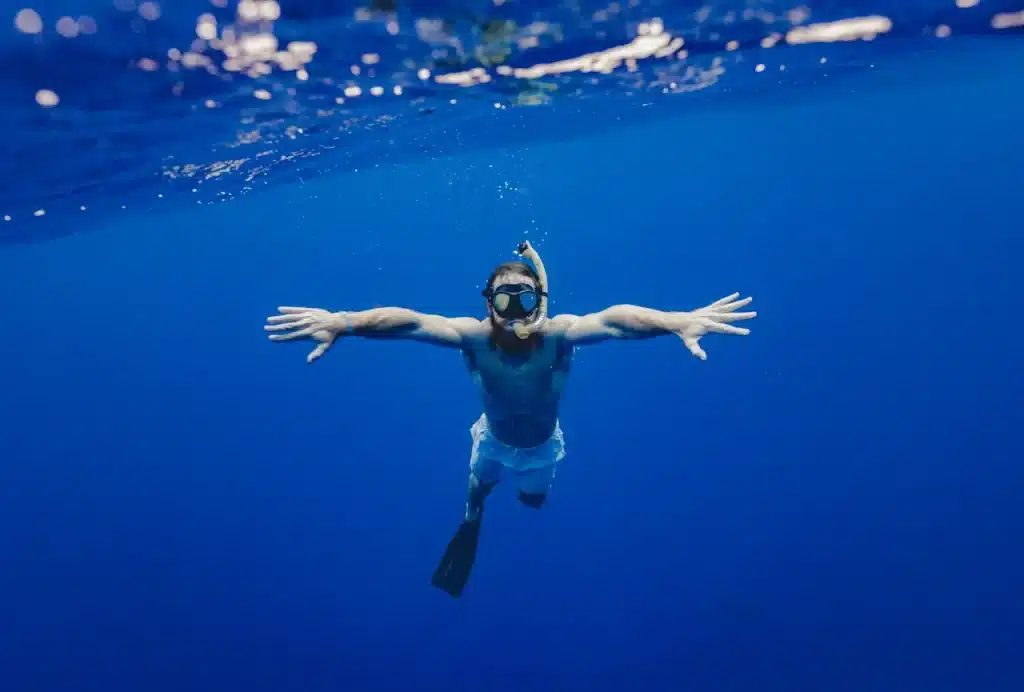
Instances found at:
x=635 y=322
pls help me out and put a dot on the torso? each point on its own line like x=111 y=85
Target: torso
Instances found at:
x=521 y=393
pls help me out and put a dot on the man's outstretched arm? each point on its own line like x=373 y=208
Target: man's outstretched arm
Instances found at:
x=380 y=323
x=634 y=322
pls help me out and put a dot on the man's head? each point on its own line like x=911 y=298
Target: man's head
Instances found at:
x=513 y=295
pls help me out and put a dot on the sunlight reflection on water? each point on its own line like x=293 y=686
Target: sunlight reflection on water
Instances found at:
x=285 y=86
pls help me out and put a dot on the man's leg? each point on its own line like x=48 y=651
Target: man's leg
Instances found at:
x=479 y=488
x=534 y=486
x=484 y=469
x=453 y=571
x=533 y=500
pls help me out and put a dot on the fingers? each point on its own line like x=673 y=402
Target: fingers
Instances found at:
x=734 y=316
x=300 y=334
x=720 y=328
x=728 y=304
x=274 y=319
x=318 y=351
x=300 y=323
x=692 y=344
x=722 y=301
x=304 y=322
x=730 y=307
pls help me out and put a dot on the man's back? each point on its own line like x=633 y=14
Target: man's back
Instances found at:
x=520 y=390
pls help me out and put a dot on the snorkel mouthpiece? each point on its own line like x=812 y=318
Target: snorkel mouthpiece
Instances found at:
x=521 y=329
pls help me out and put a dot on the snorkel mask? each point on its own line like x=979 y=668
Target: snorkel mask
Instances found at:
x=514 y=301
x=524 y=306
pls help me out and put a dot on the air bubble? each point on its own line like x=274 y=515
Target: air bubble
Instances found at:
x=47 y=98
x=28 y=22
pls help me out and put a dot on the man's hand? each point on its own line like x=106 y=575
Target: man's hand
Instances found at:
x=307 y=323
x=712 y=318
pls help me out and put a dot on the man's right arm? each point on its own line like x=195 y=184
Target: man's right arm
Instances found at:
x=379 y=323
x=401 y=323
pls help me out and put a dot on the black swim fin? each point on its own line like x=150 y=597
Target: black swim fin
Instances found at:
x=453 y=571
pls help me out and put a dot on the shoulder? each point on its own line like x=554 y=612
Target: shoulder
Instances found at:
x=560 y=323
x=471 y=329
x=555 y=332
x=558 y=326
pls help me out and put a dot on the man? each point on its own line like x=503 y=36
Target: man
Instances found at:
x=519 y=359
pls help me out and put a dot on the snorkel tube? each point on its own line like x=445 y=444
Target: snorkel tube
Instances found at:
x=523 y=331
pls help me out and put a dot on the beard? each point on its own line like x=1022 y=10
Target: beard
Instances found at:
x=506 y=340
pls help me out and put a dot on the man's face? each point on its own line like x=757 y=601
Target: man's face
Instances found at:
x=513 y=299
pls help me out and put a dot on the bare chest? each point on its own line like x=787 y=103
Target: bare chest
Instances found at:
x=537 y=374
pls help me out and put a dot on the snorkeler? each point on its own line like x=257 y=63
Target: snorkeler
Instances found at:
x=519 y=358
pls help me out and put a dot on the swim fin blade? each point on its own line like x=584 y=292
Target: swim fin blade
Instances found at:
x=453 y=571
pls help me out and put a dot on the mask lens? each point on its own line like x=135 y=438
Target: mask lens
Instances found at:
x=501 y=302
x=528 y=300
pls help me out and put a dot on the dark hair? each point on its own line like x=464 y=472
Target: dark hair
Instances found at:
x=512 y=268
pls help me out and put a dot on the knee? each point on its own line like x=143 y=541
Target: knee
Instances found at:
x=533 y=500
x=477 y=486
x=484 y=489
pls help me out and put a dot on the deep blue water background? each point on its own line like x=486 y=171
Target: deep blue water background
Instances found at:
x=832 y=503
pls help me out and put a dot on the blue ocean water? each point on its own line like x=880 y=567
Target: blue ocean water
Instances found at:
x=831 y=503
